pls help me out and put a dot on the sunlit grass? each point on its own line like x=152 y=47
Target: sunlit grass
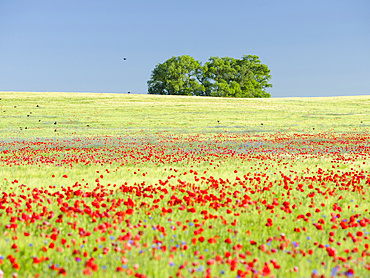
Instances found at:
x=116 y=146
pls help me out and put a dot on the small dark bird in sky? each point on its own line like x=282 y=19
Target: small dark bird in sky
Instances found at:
x=55 y=123
x=124 y=58
x=128 y=92
x=37 y=105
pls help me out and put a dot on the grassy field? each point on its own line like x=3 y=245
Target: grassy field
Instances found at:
x=162 y=186
x=122 y=114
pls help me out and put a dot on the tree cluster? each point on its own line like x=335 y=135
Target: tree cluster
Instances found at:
x=218 y=77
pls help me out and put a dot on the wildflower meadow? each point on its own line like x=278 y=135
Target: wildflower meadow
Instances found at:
x=118 y=185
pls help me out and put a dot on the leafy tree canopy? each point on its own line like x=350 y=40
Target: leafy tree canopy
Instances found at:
x=219 y=77
x=176 y=76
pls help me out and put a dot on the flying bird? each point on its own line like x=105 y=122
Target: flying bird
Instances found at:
x=124 y=58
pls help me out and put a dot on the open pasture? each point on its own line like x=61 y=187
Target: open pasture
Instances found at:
x=158 y=186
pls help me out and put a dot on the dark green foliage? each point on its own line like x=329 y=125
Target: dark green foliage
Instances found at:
x=219 y=77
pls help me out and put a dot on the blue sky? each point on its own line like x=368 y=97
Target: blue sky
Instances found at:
x=313 y=48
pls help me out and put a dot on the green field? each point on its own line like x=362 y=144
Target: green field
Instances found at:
x=122 y=114
x=285 y=183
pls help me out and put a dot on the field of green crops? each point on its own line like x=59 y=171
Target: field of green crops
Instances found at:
x=121 y=185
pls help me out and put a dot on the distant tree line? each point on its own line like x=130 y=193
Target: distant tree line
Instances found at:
x=218 y=77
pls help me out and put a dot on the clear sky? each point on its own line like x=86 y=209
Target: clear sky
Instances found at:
x=313 y=48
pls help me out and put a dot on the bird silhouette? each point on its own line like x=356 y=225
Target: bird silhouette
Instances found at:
x=124 y=58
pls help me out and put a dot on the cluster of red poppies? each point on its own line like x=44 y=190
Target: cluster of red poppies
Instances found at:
x=267 y=218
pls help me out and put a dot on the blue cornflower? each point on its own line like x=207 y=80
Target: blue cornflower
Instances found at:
x=334 y=271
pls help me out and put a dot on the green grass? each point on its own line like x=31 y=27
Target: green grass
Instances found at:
x=300 y=137
x=117 y=114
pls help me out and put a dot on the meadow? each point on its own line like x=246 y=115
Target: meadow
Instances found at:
x=121 y=185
